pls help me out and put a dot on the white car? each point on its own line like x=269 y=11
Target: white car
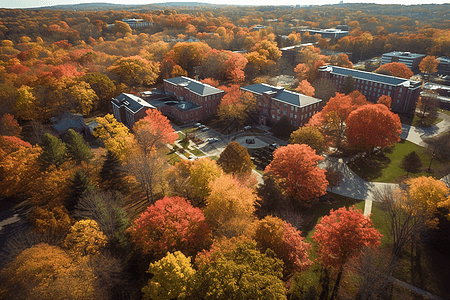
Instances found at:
x=205 y=129
x=212 y=140
x=247 y=127
x=192 y=157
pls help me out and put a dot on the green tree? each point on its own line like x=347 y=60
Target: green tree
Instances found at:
x=172 y=275
x=112 y=174
x=80 y=184
x=242 y=273
x=53 y=151
x=349 y=85
x=311 y=136
x=235 y=159
x=411 y=163
x=77 y=148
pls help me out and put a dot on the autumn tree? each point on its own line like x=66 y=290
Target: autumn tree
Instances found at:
x=283 y=127
x=77 y=149
x=429 y=65
x=9 y=126
x=340 y=236
x=428 y=104
x=385 y=100
x=298 y=173
x=324 y=89
x=236 y=105
x=395 y=69
x=188 y=55
x=173 y=275
x=114 y=135
x=103 y=87
x=371 y=126
x=235 y=159
x=411 y=163
x=230 y=207
x=311 y=136
x=171 y=224
x=85 y=238
x=50 y=220
x=135 y=71
x=240 y=273
x=121 y=27
x=334 y=178
x=105 y=208
x=47 y=272
x=305 y=88
x=53 y=151
x=341 y=60
x=349 y=85
x=153 y=131
x=286 y=241
x=190 y=179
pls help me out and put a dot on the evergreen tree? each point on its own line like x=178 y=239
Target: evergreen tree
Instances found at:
x=411 y=163
x=77 y=148
x=80 y=185
x=235 y=159
x=283 y=127
x=349 y=84
x=53 y=151
x=112 y=174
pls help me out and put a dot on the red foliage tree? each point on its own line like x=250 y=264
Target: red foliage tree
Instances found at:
x=305 y=88
x=171 y=224
x=373 y=125
x=395 y=69
x=9 y=126
x=296 y=167
x=154 y=130
x=341 y=236
x=286 y=241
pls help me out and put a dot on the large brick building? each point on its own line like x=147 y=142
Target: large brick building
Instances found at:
x=191 y=100
x=411 y=60
x=129 y=109
x=275 y=102
x=403 y=92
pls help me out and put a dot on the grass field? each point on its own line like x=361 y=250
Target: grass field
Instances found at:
x=385 y=167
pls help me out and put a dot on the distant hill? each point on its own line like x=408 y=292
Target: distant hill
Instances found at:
x=112 y=6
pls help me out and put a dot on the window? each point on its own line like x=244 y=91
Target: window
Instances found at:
x=301 y=117
x=273 y=116
x=285 y=105
x=278 y=118
x=295 y=116
x=398 y=101
x=265 y=104
x=285 y=113
x=292 y=108
x=291 y=115
x=295 y=123
x=279 y=111
x=296 y=109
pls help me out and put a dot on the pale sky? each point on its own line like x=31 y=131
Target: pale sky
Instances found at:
x=40 y=3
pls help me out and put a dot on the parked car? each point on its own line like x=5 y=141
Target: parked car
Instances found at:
x=247 y=127
x=212 y=140
x=197 y=125
x=205 y=129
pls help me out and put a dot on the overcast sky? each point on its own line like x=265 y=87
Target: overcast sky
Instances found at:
x=39 y=3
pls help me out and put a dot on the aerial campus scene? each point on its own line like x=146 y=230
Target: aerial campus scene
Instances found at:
x=224 y=150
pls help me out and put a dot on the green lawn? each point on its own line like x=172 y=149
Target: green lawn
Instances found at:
x=444 y=111
x=425 y=122
x=196 y=152
x=386 y=167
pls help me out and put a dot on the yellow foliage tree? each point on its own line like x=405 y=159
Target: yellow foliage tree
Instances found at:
x=85 y=238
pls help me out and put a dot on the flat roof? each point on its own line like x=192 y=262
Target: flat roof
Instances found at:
x=132 y=102
x=195 y=86
x=358 y=74
x=404 y=54
x=280 y=94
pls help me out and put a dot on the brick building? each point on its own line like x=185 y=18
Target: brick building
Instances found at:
x=403 y=92
x=191 y=100
x=275 y=102
x=129 y=109
x=411 y=60
x=443 y=67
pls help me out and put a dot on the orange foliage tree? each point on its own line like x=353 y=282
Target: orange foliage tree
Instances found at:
x=171 y=224
x=371 y=126
x=395 y=69
x=154 y=130
x=236 y=105
x=305 y=88
x=385 y=100
x=286 y=241
x=429 y=65
x=341 y=236
x=297 y=170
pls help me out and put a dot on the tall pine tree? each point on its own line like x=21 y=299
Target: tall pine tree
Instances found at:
x=77 y=148
x=53 y=151
x=80 y=185
x=112 y=173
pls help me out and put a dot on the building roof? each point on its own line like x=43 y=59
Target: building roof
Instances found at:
x=66 y=121
x=369 y=76
x=404 y=55
x=181 y=106
x=131 y=102
x=444 y=59
x=194 y=86
x=280 y=94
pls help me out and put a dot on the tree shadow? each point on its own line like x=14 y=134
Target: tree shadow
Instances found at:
x=370 y=168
